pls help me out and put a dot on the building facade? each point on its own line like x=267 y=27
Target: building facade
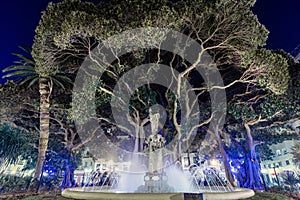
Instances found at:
x=282 y=162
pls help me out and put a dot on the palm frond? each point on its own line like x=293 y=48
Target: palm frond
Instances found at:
x=19 y=74
x=26 y=49
x=17 y=68
x=24 y=58
x=24 y=69
x=63 y=78
x=58 y=83
x=31 y=80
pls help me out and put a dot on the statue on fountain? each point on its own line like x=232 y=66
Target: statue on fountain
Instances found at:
x=155 y=141
x=155 y=179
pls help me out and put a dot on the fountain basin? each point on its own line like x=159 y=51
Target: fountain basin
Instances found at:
x=83 y=193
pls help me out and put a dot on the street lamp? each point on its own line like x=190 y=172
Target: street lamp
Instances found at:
x=277 y=180
x=82 y=180
x=83 y=177
x=214 y=162
x=260 y=158
x=261 y=174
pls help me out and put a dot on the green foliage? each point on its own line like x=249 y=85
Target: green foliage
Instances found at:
x=72 y=24
x=46 y=196
x=270 y=69
x=12 y=184
x=269 y=196
x=142 y=100
x=275 y=74
x=228 y=25
x=290 y=59
x=24 y=68
x=25 y=71
x=241 y=111
x=82 y=108
x=228 y=29
x=268 y=106
x=291 y=179
x=296 y=154
x=15 y=144
x=12 y=99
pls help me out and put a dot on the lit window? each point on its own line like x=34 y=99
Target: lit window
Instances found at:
x=278 y=152
x=284 y=151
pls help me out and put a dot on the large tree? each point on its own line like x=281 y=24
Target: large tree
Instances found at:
x=227 y=30
x=265 y=117
x=233 y=40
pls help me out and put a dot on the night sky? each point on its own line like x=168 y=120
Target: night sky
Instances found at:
x=18 y=19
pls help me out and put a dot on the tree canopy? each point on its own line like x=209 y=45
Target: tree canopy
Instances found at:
x=227 y=29
x=256 y=80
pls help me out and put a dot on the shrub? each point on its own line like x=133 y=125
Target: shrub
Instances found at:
x=13 y=183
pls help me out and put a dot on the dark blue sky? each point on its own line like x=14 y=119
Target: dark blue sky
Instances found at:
x=18 y=19
x=281 y=17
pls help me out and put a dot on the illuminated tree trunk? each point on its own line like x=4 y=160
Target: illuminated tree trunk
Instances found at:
x=139 y=132
x=253 y=180
x=142 y=138
x=136 y=141
x=45 y=91
x=179 y=149
x=68 y=180
x=228 y=172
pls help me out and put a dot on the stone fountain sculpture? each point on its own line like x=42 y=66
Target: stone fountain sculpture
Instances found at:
x=155 y=143
x=155 y=185
x=155 y=179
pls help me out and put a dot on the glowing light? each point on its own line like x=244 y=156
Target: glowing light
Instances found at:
x=214 y=162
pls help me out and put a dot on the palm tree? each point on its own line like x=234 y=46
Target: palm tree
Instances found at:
x=25 y=73
x=291 y=179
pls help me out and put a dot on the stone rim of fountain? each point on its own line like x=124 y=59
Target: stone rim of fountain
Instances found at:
x=80 y=193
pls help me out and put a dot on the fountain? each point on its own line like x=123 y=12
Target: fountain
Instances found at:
x=159 y=181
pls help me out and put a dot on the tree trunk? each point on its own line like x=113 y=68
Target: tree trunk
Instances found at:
x=179 y=147
x=253 y=180
x=228 y=172
x=136 y=141
x=68 y=180
x=188 y=157
x=45 y=91
x=142 y=139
